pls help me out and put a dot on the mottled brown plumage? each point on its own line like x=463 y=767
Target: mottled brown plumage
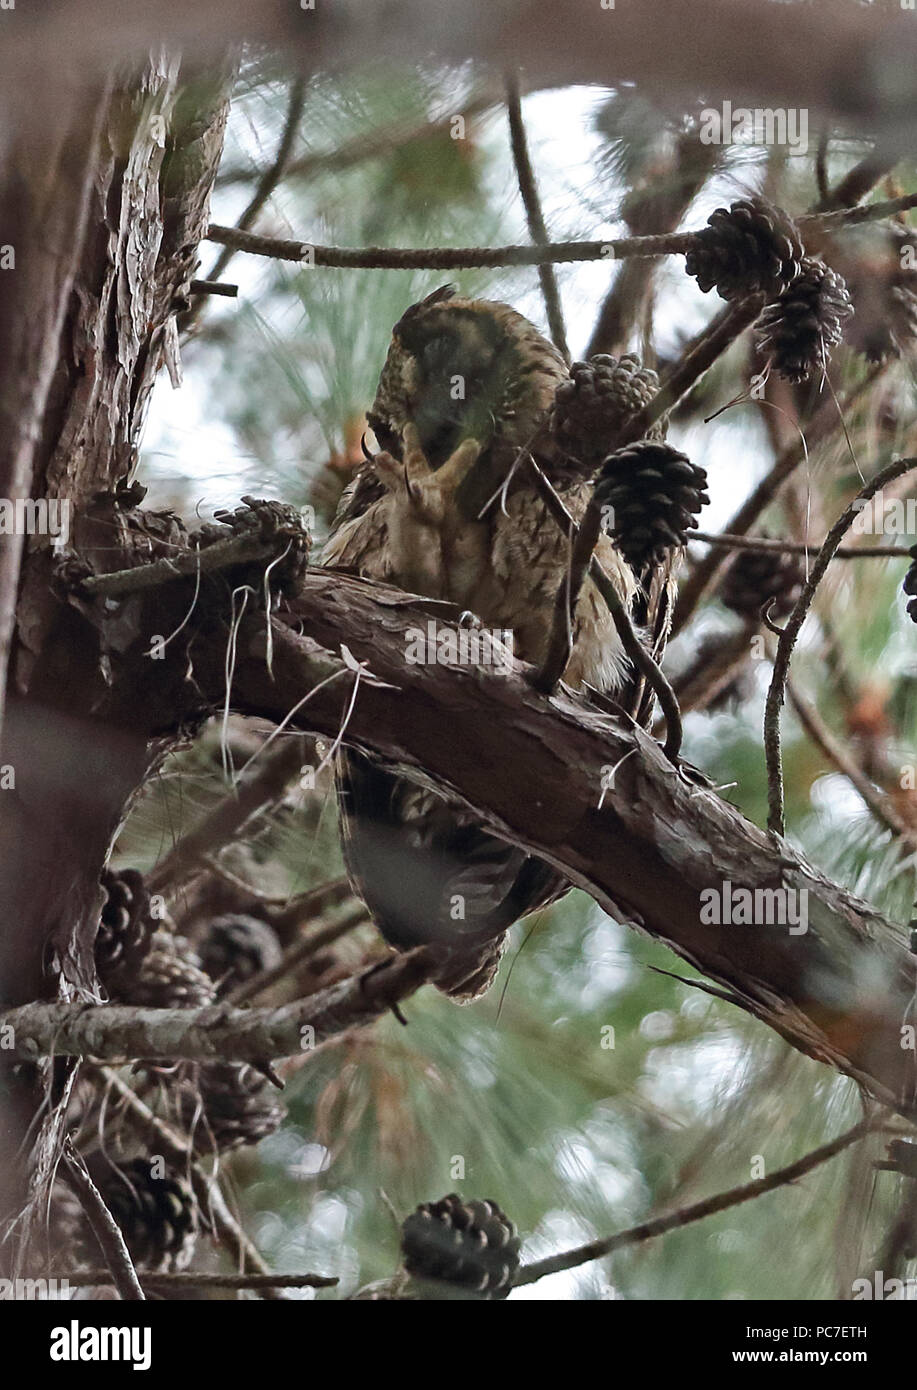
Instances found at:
x=447 y=509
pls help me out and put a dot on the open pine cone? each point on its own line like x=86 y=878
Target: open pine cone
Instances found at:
x=799 y=329
x=158 y=1216
x=125 y=935
x=591 y=407
x=655 y=493
x=169 y=977
x=237 y=947
x=749 y=248
x=230 y=1106
x=470 y=1244
x=759 y=577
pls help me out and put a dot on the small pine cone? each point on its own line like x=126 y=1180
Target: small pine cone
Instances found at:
x=798 y=330
x=231 y=1105
x=590 y=408
x=126 y=928
x=470 y=1244
x=749 y=248
x=759 y=577
x=655 y=492
x=237 y=947
x=169 y=978
x=158 y=1217
x=910 y=585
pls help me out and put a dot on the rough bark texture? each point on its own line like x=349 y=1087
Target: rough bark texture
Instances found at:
x=534 y=769
x=109 y=205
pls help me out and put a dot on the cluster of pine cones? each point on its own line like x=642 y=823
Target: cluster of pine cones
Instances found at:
x=220 y=1106
x=653 y=493
x=753 y=247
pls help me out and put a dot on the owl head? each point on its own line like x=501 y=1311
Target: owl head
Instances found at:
x=459 y=368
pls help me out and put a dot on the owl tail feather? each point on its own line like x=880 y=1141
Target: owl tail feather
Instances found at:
x=430 y=876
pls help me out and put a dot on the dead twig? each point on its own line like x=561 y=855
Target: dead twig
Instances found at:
x=777 y=691
x=105 y=1228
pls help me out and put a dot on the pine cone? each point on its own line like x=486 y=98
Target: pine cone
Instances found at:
x=470 y=1244
x=910 y=585
x=590 y=408
x=750 y=248
x=655 y=493
x=125 y=933
x=798 y=330
x=236 y=948
x=231 y=1105
x=169 y=978
x=758 y=577
x=158 y=1217
x=880 y=267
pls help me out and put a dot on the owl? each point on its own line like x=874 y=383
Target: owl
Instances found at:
x=447 y=509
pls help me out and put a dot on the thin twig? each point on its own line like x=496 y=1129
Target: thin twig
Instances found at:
x=448 y=257
x=698 y=357
x=217 y=287
x=834 y=751
x=272 y=176
x=725 y=541
x=822 y=425
x=777 y=691
x=555 y=253
x=323 y=934
x=538 y=230
x=722 y=1201
x=235 y=550
x=631 y=643
x=105 y=1228
x=189 y=1279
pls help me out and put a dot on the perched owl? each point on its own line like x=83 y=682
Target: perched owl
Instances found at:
x=446 y=510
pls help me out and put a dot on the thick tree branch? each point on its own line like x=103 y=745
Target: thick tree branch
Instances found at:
x=564 y=780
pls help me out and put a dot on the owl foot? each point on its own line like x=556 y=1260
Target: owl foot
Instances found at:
x=426 y=491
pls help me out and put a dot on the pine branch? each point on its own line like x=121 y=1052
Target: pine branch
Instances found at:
x=685 y=1216
x=104 y=1227
x=776 y=693
x=826 y=422
x=836 y=753
x=113 y=1032
x=553 y=253
x=191 y=1279
x=773 y=545
x=531 y=201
